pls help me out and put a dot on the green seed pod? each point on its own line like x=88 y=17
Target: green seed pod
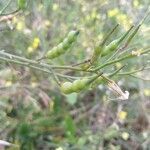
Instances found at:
x=61 y=48
x=77 y=85
x=80 y=84
x=22 y=4
x=66 y=44
x=111 y=47
x=66 y=88
x=53 y=53
x=72 y=36
x=98 y=50
x=114 y=44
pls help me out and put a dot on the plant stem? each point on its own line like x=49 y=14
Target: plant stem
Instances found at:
x=24 y=64
x=109 y=34
x=24 y=61
x=5 y=7
x=36 y=68
x=134 y=71
x=120 y=59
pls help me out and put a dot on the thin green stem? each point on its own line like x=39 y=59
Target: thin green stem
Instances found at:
x=116 y=71
x=136 y=30
x=36 y=68
x=5 y=7
x=134 y=71
x=119 y=59
x=37 y=63
x=6 y=57
x=123 y=47
x=55 y=77
x=70 y=68
x=109 y=34
x=139 y=77
x=24 y=64
x=10 y=13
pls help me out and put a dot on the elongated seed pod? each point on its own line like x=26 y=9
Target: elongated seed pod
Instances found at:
x=62 y=47
x=111 y=47
x=81 y=84
x=77 y=85
x=66 y=88
x=114 y=44
x=98 y=50
x=133 y=34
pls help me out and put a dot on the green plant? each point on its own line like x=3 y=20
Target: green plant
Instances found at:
x=37 y=113
x=63 y=46
x=78 y=85
x=22 y=4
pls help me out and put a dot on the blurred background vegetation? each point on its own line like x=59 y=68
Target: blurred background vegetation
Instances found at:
x=33 y=112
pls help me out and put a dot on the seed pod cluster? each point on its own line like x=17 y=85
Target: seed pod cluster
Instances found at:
x=62 y=47
x=102 y=49
x=77 y=85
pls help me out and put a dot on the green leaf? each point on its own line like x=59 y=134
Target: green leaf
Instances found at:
x=70 y=128
x=71 y=98
x=22 y=4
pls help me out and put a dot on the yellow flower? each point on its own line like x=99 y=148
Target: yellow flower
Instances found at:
x=14 y=20
x=8 y=83
x=122 y=115
x=55 y=7
x=125 y=136
x=136 y=3
x=20 y=25
x=113 y=12
x=124 y=20
x=34 y=84
x=100 y=36
x=30 y=49
x=94 y=14
x=59 y=148
x=147 y=92
x=47 y=23
x=35 y=43
x=84 y=9
x=40 y=7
